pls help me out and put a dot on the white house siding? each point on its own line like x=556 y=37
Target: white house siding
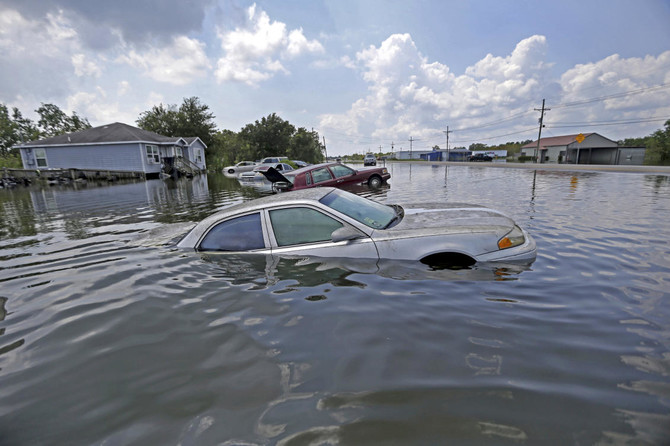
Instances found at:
x=552 y=154
x=123 y=157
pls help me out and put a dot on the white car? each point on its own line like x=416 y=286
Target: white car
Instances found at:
x=255 y=176
x=329 y=222
x=242 y=166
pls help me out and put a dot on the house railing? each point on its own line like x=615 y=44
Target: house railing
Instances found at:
x=187 y=166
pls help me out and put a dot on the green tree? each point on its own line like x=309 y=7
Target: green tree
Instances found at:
x=160 y=119
x=271 y=136
x=658 y=147
x=305 y=146
x=14 y=130
x=477 y=146
x=195 y=119
x=227 y=148
x=192 y=118
x=54 y=121
x=8 y=131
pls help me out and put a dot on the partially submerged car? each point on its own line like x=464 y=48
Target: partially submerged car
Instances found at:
x=370 y=160
x=326 y=174
x=257 y=174
x=274 y=159
x=242 y=166
x=330 y=222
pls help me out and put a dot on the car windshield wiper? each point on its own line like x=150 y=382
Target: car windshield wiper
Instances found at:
x=399 y=214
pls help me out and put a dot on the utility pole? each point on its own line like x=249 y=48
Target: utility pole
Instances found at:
x=447 y=133
x=410 y=147
x=539 y=136
x=324 y=147
x=380 y=149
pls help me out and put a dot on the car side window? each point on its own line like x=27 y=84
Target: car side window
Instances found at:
x=322 y=174
x=237 y=234
x=293 y=226
x=341 y=171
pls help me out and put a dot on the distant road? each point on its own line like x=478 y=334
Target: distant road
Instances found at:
x=665 y=170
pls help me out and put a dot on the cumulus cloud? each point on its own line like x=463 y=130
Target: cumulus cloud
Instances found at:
x=36 y=55
x=410 y=95
x=615 y=89
x=178 y=63
x=254 y=52
x=97 y=107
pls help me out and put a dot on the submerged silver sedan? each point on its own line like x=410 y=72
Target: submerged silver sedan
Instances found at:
x=329 y=222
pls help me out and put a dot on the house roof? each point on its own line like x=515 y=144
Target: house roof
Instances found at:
x=555 y=141
x=109 y=133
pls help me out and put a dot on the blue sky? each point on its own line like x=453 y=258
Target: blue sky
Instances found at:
x=364 y=73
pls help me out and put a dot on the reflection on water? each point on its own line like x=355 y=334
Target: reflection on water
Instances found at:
x=110 y=336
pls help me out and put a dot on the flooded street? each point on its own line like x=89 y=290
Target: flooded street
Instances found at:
x=110 y=336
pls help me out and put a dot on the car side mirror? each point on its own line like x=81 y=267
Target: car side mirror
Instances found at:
x=345 y=233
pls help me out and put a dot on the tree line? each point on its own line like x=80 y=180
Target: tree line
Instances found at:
x=269 y=136
x=16 y=129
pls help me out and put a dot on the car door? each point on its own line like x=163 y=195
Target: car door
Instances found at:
x=238 y=234
x=345 y=175
x=303 y=230
x=323 y=177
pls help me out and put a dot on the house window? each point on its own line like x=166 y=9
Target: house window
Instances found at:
x=152 y=154
x=179 y=152
x=41 y=157
x=198 y=155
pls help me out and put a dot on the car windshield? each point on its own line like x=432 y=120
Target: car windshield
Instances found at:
x=368 y=212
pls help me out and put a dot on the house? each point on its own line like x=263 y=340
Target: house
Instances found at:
x=593 y=149
x=116 y=147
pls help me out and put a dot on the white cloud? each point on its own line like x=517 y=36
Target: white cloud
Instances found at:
x=179 y=63
x=254 y=52
x=410 y=95
x=84 y=67
x=614 y=79
x=123 y=88
x=96 y=107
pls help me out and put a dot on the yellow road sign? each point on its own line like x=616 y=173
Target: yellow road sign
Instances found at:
x=580 y=138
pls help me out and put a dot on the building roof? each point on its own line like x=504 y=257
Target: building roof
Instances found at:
x=109 y=133
x=555 y=141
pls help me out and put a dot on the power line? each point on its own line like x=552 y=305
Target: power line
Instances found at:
x=598 y=124
x=613 y=96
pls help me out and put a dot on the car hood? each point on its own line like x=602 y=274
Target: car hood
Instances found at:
x=442 y=218
x=274 y=176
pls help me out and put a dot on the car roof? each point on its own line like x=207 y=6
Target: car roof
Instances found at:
x=311 y=167
x=292 y=197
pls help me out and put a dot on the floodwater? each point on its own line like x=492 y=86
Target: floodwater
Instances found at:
x=109 y=336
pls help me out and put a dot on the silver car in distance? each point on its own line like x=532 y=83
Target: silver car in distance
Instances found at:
x=329 y=222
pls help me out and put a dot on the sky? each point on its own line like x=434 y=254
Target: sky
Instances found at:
x=367 y=75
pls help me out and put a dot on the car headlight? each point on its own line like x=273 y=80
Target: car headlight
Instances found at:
x=385 y=171
x=513 y=238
